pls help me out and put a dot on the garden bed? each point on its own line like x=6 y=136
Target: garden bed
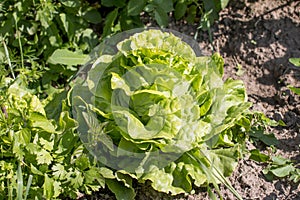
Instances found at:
x=256 y=39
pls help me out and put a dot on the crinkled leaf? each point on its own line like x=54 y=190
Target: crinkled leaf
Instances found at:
x=158 y=98
x=43 y=157
x=162 y=181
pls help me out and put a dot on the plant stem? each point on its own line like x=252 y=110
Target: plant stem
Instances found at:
x=19 y=40
x=21 y=49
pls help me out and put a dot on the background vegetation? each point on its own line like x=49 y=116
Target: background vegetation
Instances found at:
x=43 y=42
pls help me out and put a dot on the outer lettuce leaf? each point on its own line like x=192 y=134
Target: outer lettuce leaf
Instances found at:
x=162 y=180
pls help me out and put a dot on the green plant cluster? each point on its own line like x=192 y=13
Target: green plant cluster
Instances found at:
x=42 y=44
x=34 y=29
x=39 y=137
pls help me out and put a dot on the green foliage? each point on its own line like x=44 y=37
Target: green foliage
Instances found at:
x=190 y=10
x=66 y=57
x=296 y=62
x=54 y=26
x=41 y=28
x=42 y=44
x=280 y=167
x=50 y=155
x=211 y=11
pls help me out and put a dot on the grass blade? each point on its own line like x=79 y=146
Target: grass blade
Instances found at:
x=28 y=186
x=19 y=183
x=212 y=174
x=8 y=59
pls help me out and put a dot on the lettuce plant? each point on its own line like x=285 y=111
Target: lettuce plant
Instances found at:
x=150 y=109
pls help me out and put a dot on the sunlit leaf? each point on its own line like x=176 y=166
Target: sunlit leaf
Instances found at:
x=283 y=170
x=67 y=57
x=295 y=61
x=294 y=89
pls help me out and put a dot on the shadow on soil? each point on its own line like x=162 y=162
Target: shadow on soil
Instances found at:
x=266 y=44
x=254 y=41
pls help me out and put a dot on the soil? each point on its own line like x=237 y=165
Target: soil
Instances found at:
x=256 y=38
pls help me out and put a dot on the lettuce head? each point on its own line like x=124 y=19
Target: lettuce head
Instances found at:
x=152 y=109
